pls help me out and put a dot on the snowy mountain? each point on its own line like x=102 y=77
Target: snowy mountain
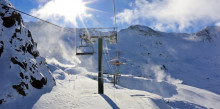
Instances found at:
x=173 y=57
x=23 y=72
x=182 y=69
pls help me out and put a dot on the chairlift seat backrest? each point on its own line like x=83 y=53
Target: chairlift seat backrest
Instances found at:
x=91 y=52
x=88 y=53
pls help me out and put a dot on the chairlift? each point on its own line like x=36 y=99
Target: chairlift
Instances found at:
x=85 y=47
x=81 y=50
x=86 y=38
x=117 y=63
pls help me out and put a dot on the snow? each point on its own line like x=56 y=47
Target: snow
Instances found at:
x=22 y=70
x=79 y=91
x=161 y=70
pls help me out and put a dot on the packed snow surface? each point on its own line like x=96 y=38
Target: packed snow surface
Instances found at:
x=80 y=91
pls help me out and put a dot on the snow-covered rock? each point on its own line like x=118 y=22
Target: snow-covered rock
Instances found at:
x=209 y=33
x=22 y=70
x=144 y=30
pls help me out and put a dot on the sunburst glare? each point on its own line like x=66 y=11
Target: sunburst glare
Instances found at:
x=66 y=10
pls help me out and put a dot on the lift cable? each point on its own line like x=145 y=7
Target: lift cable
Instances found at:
x=51 y=22
x=107 y=57
x=114 y=14
x=31 y=16
x=105 y=52
x=115 y=23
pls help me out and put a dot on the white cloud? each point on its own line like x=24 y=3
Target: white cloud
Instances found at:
x=130 y=16
x=67 y=11
x=217 y=24
x=172 y=14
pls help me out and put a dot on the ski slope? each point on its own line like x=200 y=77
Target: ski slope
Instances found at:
x=79 y=91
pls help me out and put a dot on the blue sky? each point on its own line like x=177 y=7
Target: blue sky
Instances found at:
x=163 y=15
x=104 y=16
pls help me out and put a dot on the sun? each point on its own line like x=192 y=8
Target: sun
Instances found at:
x=71 y=9
x=67 y=10
x=77 y=7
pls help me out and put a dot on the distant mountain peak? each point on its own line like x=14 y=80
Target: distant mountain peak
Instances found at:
x=209 y=33
x=144 y=30
x=141 y=27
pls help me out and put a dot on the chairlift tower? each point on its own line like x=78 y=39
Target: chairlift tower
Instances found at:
x=90 y=38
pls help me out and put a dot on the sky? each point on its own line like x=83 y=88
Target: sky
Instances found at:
x=162 y=15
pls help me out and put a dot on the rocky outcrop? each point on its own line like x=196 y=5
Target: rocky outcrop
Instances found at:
x=146 y=31
x=1 y=47
x=208 y=33
x=22 y=68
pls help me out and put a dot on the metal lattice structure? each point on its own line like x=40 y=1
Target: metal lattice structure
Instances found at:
x=89 y=36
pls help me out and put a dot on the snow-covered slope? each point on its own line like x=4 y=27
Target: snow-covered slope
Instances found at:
x=173 y=57
x=80 y=92
x=22 y=71
x=180 y=68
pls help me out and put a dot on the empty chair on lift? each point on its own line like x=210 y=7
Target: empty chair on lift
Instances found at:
x=91 y=52
x=84 y=49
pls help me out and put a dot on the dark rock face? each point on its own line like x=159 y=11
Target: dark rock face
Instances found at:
x=20 y=88
x=209 y=33
x=1 y=47
x=11 y=20
x=30 y=50
x=22 y=75
x=22 y=65
x=1 y=101
x=38 y=83
x=205 y=34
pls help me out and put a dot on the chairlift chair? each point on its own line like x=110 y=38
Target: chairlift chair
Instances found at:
x=91 y=52
x=80 y=50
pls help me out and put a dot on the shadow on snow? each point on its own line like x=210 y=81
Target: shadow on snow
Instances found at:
x=110 y=102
